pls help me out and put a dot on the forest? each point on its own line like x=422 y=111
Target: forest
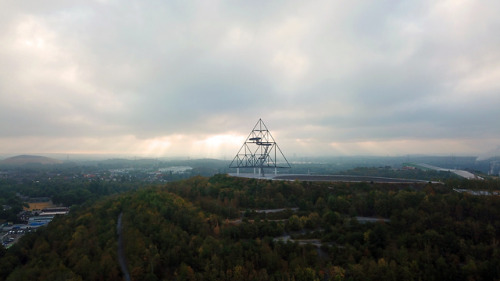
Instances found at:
x=222 y=228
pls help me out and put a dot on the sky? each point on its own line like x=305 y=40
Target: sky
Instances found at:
x=192 y=78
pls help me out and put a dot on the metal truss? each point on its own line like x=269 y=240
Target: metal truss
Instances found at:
x=260 y=150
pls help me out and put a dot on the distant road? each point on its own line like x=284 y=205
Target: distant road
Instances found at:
x=347 y=178
x=462 y=173
x=332 y=178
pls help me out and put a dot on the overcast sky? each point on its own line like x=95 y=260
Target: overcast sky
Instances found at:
x=192 y=78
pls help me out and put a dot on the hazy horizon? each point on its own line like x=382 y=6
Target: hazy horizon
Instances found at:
x=191 y=79
x=78 y=157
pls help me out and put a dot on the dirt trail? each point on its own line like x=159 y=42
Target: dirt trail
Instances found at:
x=121 y=254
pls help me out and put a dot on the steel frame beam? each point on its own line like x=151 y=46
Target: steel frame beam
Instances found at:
x=259 y=150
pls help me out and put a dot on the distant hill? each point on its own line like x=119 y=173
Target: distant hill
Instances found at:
x=29 y=159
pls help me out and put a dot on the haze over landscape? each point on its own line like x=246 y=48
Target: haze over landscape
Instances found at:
x=175 y=78
x=249 y=140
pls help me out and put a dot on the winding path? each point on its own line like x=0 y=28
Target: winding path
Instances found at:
x=121 y=255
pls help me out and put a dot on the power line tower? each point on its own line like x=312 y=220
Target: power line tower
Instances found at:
x=260 y=151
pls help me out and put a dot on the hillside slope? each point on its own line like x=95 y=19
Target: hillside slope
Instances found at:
x=193 y=230
x=29 y=159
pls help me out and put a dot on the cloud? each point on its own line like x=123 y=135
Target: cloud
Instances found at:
x=365 y=77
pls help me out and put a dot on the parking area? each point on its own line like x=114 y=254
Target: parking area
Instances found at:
x=10 y=237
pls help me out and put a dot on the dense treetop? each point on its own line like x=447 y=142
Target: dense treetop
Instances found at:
x=217 y=229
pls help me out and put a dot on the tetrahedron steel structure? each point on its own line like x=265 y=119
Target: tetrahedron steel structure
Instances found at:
x=260 y=151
